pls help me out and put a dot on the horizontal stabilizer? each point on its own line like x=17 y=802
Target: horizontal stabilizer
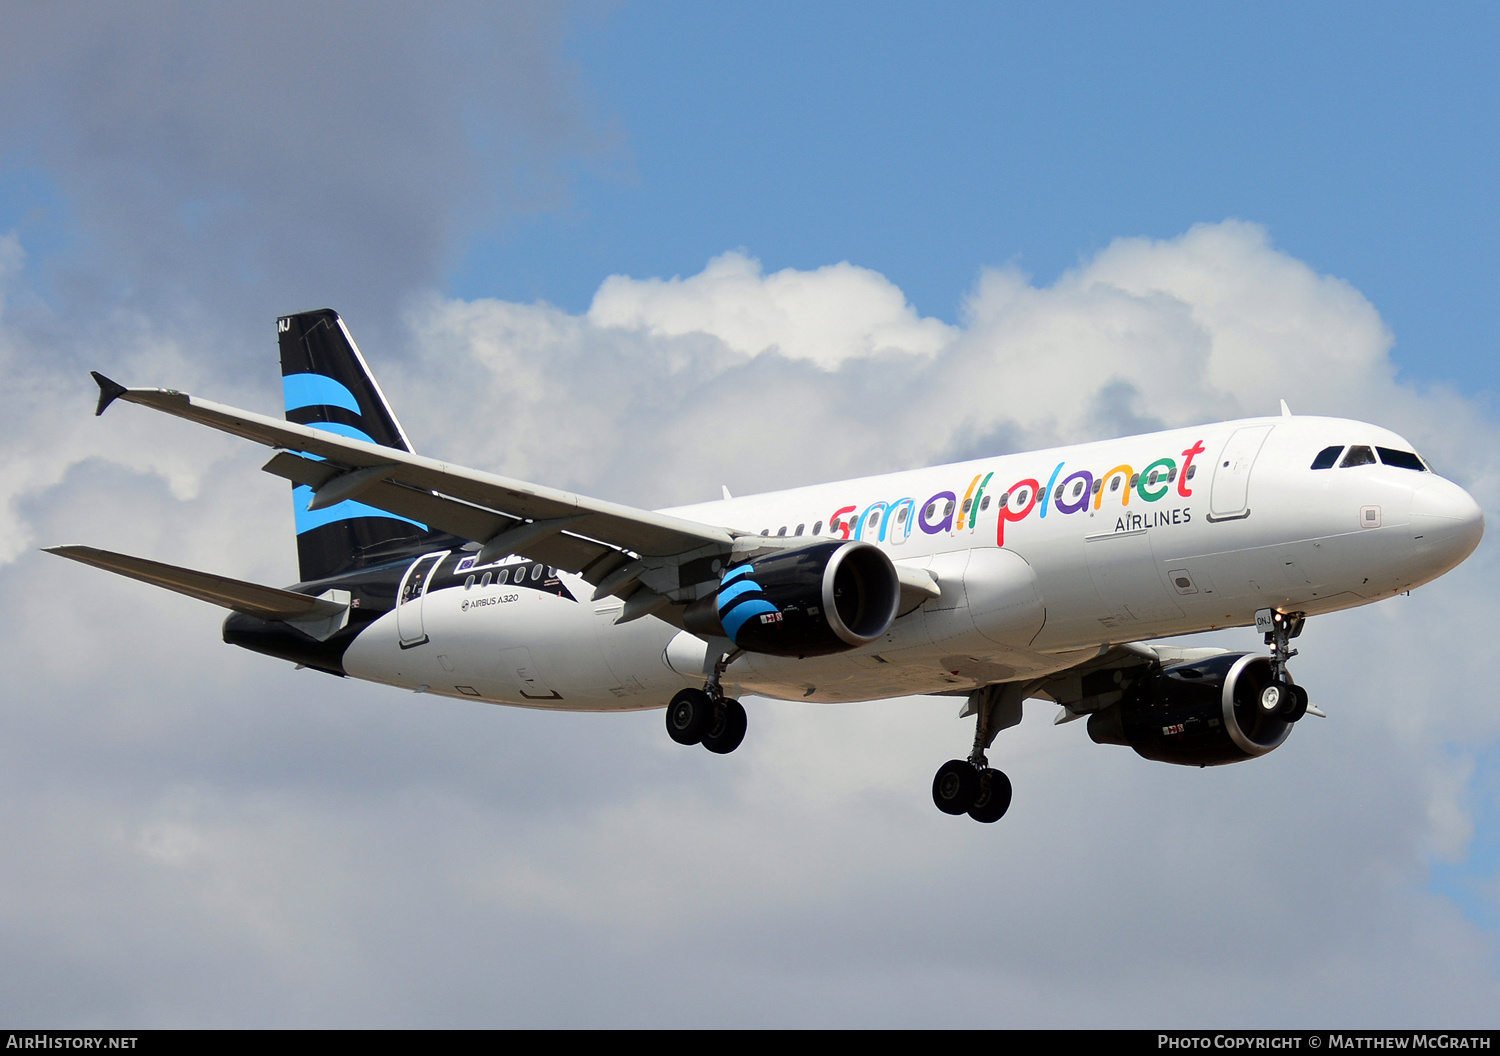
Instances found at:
x=268 y=603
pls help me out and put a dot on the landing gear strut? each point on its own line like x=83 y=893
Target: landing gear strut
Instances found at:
x=971 y=786
x=1282 y=698
x=705 y=716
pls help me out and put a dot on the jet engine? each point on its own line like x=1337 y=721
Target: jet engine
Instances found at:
x=811 y=601
x=1202 y=712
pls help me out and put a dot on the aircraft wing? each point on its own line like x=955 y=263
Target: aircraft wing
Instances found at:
x=573 y=532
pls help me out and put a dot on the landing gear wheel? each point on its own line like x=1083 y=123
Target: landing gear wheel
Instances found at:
x=1296 y=707
x=994 y=797
x=689 y=716
x=1276 y=698
x=728 y=729
x=956 y=786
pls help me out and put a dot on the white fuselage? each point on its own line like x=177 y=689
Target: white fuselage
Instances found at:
x=1042 y=558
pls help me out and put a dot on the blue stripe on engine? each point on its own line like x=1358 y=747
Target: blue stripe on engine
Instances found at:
x=744 y=586
x=742 y=612
x=342 y=511
x=737 y=572
x=316 y=390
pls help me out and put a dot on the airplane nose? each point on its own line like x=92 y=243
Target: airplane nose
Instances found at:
x=1447 y=520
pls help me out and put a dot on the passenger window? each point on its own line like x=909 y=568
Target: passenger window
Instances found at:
x=800 y=527
x=984 y=504
x=500 y=577
x=781 y=530
x=1401 y=459
x=1327 y=457
x=818 y=528
x=1359 y=455
x=765 y=531
x=484 y=580
x=966 y=504
x=536 y=573
x=1192 y=472
x=469 y=583
x=948 y=508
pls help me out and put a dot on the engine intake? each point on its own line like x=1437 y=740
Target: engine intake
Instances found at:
x=812 y=601
x=1195 y=713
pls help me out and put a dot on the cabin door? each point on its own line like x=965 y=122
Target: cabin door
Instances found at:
x=409 y=599
x=1229 y=499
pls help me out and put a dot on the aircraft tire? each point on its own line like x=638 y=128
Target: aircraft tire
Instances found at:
x=725 y=735
x=956 y=786
x=1276 y=698
x=993 y=799
x=689 y=716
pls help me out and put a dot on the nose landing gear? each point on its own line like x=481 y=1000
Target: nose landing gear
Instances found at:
x=971 y=786
x=1282 y=698
x=707 y=717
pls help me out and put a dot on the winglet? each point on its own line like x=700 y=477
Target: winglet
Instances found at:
x=109 y=392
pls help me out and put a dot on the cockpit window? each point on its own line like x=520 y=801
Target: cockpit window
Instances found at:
x=1359 y=455
x=1327 y=457
x=1401 y=459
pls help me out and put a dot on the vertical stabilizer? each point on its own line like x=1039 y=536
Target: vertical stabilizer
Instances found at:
x=328 y=386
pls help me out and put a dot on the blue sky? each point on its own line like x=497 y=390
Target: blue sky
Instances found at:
x=258 y=846
x=928 y=144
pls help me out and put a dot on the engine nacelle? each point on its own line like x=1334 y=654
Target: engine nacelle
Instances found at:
x=1197 y=713
x=812 y=601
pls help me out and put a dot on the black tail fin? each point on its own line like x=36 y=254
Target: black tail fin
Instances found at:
x=328 y=386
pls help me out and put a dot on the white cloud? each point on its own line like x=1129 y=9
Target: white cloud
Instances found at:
x=827 y=316
x=179 y=815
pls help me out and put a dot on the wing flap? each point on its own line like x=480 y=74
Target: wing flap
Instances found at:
x=268 y=603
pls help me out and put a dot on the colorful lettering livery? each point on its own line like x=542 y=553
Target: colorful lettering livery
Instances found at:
x=888 y=521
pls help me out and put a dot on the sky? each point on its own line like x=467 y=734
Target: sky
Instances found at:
x=563 y=235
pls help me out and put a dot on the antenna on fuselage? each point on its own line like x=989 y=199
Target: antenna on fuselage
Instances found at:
x=1286 y=412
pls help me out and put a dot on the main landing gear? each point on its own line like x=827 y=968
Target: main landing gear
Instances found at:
x=707 y=717
x=971 y=786
x=1282 y=698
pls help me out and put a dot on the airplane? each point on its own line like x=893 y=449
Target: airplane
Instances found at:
x=1043 y=575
